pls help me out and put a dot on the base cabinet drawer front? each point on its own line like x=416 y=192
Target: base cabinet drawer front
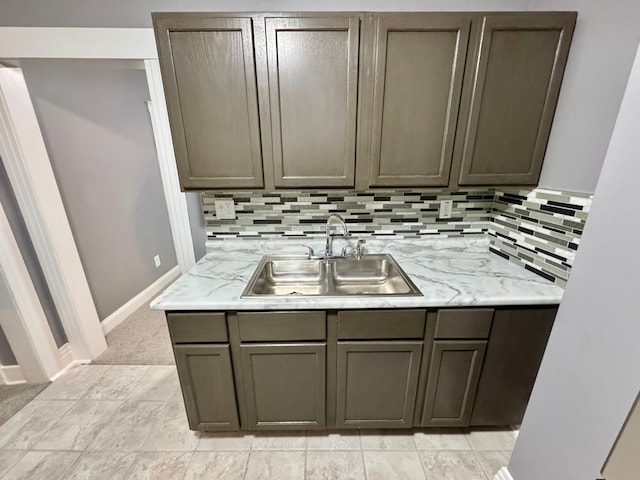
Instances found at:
x=197 y=327
x=465 y=324
x=282 y=326
x=285 y=385
x=206 y=378
x=381 y=324
x=377 y=383
x=452 y=382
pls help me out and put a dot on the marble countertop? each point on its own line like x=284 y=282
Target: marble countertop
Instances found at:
x=448 y=272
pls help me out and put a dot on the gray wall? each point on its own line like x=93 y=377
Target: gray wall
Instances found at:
x=98 y=134
x=589 y=378
x=602 y=51
x=125 y=13
x=23 y=239
x=6 y=354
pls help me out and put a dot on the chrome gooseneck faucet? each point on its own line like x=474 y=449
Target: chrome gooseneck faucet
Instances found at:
x=334 y=218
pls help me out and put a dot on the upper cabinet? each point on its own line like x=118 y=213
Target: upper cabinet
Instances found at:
x=209 y=76
x=513 y=88
x=418 y=69
x=313 y=94
x=348 y=100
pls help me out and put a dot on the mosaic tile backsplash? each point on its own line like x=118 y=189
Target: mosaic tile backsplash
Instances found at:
x=378 y=214
x=538 y=229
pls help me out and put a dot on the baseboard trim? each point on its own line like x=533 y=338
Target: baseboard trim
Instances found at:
x=121 y=314
x=503 y=474
x=11 y=375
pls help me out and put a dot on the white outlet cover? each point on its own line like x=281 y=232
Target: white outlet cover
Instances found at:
x=446 y=206
x=225 y=209
x=157 y=261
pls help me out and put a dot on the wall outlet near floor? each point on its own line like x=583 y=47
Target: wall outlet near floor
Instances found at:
x=225 y=209
x=157 y=261
x=445 y=209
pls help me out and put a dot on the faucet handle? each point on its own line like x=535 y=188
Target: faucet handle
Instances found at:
x=360 y=248
x=310 y=252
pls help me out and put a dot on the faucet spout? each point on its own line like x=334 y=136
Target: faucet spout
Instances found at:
x=334 y=218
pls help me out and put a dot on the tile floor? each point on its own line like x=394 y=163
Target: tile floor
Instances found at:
x=128 y=422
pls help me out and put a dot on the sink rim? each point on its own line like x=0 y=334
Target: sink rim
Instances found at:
x=328 y=279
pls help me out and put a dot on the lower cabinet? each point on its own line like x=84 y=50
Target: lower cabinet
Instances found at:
x=206 y=377
x=377 y=383
x=285 y=385
x=385 y=368
x=453 y=380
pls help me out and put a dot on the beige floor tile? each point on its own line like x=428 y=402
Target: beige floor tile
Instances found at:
x=160 y=466
x=129 y=427
x=441 y=439
x=491 y=439
x=394 y=465
x=8 y=458
x=275 y=465
x=160 y=383
x=102 y=466
x=222 y=465
x=42 y=466
x=342 y=440
x=27 y=426
x=171 y=432
x=387 y=440
x=452 y=465
x=79 y=426
x=117 y=383
x=279 y=441
x=74 y=383
x=492 y=461
x=212 y=441
x=334 y=465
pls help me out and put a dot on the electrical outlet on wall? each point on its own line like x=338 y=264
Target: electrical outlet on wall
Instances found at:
x=225 y=209
x=445 y=208
x=157 y=261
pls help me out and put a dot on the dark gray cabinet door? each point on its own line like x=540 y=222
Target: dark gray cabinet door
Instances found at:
x=418 y=70
x=514 y=87
x=516 y=346
x=208 y=70
x=452 y=382
x=377 y=383
x=313 y=90
x=206 y=378
x=285 y=385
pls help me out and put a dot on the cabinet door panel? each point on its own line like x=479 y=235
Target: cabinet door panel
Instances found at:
x=419 y=67
x=313 y=84
x=516 y=83
x=377 y=383
x=516 y=346
x=453 y=380
x=210 y=84
x=206 y=379
x=285 y=385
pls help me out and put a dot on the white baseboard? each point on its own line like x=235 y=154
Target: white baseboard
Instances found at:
x=503 y=474
x=121 y=314
x=11 y=375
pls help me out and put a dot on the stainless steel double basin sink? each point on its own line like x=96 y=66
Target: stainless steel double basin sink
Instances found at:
x=372 y=274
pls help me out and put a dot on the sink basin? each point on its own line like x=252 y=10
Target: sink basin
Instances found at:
x=289 y=276
x=376 y=274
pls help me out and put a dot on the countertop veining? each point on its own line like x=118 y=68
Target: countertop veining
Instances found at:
x=448 y=272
